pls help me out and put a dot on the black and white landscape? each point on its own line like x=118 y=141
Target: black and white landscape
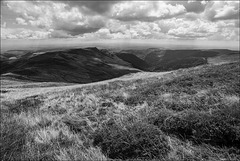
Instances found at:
x=120 y=80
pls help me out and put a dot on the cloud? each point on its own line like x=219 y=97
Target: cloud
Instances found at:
x=21 y=33
x=229 y=34
x=58 y=34
x=21 y=21
x=191 y=16
x=56 y=16
x=227 y=12
x=99 y=7
x=193 y=29
x=174 y=28
x=222 y=10
x=74 y=26
x=116 y=29
x=4 y=25
x=123 y=20
x=117 y=26
x=145 y=11
x=237 y=23
x=202 y=29
x=191 y=6
x=103 y=33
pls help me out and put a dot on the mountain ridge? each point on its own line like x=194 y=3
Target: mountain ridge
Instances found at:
x=85 y=65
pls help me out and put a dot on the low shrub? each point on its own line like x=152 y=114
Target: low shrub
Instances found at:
x=136 y=141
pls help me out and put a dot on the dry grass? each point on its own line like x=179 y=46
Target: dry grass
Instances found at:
x=173 y=110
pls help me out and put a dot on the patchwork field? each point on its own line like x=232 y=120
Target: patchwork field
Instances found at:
x=186 y=114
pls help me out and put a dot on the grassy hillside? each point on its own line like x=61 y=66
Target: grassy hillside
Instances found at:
x=165 y=60
x=73 y=65
x=134 y=60
x=86 y=65
x=188 y=114
x=175 y=59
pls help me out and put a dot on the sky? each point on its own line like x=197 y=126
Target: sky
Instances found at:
x=180 y=21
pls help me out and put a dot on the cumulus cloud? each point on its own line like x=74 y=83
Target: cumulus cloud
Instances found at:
x=145 y=11
x=74 y=26
x=99 y=7
x=21 y=33
x=116 y=29
x=215 y=20
x=50 y=15
x=227 y=12
x=222 y=10
x=21 y=21
x=192 y=29
x=58 y=34
x=191 y=6
x=230 y=34
x=203 y=29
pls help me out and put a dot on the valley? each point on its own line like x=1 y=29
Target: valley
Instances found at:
x=86 y=65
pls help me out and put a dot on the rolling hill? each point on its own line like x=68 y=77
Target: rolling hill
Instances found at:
x=73 y=65
x=85 y=65
x=134 y=60
x=165 y=60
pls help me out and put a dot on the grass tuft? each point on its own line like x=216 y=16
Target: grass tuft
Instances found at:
x=137 y=141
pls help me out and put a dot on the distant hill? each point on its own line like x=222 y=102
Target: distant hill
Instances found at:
x=154 y=57
x=74 y=65
x=175 y=59
x=134 y=60
x=85 y=65
x=164 y=60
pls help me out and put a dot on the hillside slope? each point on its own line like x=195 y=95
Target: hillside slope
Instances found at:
x=134 y=60
x=154 y=59
x=74 y=65
x=188 y=114
x=86 y=65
